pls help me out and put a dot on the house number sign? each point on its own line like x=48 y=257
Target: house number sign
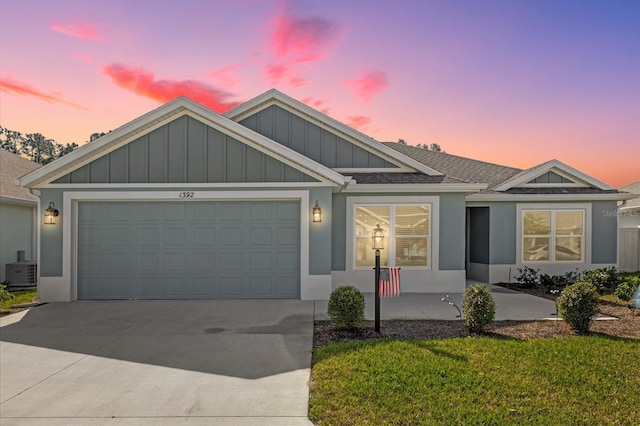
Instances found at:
x=186 y=194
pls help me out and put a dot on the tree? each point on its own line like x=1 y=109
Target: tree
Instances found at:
x=33 y=146
x=95 y=136
x=10 y=140
x=433 y=147
x=402 y=142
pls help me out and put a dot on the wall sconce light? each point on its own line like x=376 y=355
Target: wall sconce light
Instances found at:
x=50 y=214
x=378 y=237
x=317 y=213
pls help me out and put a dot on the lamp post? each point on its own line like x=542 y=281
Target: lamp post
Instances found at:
x=378 y=238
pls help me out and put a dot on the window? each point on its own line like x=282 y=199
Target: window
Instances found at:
x=407 y=231
x=553 y=235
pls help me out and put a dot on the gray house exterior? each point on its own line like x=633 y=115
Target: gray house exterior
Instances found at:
x=18 y=225
x=187 y=203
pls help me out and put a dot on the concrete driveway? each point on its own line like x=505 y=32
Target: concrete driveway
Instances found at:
x=233 y=362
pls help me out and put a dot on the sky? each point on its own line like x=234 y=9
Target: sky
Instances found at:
x=514 y=82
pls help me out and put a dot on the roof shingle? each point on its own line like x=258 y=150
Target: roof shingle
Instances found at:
x=12 y=167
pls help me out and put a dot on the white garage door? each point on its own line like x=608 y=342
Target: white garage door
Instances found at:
x=189 y=250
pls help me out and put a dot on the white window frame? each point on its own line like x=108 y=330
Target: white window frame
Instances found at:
x=389 y=245
x=553 y=209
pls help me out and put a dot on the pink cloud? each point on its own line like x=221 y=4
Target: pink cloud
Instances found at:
x=144 y=83
x=84 y=57
x=225 y=75
x=8 y=85
x=318 y=104
x=295 y=41
x=358 y=121
x=300 y=35
x=78 y=29
x=371 y=83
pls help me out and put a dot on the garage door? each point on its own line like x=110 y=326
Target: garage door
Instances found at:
x=189 y=250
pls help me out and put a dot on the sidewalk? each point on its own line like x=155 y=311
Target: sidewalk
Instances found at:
x=510 y=305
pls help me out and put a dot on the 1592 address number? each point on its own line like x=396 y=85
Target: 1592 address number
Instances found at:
x=186 y=194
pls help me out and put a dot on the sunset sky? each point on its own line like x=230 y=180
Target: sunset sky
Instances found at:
x=511 y=82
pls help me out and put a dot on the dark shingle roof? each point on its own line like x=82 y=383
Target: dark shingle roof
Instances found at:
x=399 y=178
x=12 y=167
x=453 y=166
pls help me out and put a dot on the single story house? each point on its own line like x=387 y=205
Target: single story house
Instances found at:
x=274 y=199
x=629 y=229
x=18 y=226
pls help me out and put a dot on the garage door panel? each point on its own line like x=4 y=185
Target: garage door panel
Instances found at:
x=182 y=250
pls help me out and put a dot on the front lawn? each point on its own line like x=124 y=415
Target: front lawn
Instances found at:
x=592 y=380
x=19 y=297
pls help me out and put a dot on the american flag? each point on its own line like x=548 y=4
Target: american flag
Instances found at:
x=389 y=282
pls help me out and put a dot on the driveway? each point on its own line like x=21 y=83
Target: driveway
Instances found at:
x=228 y=362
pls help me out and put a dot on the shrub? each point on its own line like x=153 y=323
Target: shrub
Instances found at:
x=346 y=307
x=605 y=280
x=5 y=296
x=555 y=282
x=578 y=304
x=478 y=307
x=627 y=288
x=528 y=277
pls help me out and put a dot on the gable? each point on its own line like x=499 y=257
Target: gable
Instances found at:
x=311 y=140
x=185 y=150
x=552 y=174
x=550 y=177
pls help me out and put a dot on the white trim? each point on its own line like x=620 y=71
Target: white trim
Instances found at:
x=520 y=207
x=163 y=115
x=143 y=186
x=561 y=173
x=557 y=167
x=433 y=201
x=70 y=224
x=414 y=187
x=275 y=97
x=546 y=197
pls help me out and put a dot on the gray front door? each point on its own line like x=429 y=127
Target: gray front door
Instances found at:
x=188 y=250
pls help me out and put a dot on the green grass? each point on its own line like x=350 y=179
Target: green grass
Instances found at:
x=478 y=381
x=22 y=296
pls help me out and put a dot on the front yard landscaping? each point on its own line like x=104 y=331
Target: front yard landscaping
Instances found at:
x=19 y=297
x=592 y=380
x=517 y=372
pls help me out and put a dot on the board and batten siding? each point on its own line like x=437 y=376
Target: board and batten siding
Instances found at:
x=311 y=140
x=185 y=151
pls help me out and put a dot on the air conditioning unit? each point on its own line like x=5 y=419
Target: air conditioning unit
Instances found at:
x=21 y=274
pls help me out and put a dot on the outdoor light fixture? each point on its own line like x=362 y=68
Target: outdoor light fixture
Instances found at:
x=50 y=214
x=317 y=213
x=378 y=237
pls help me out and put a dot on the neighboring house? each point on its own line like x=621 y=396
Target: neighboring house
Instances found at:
x=629 y=229
x=17 y=211
x=184 y=202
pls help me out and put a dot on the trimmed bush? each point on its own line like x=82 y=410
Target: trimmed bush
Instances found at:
x=346 y=307
x=627 y=288
x=478 y=307
x=605 y=280
x=578 y=304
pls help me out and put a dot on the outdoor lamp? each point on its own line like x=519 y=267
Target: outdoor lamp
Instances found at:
x=317 y=213
x=378 y=237
x=50 y=214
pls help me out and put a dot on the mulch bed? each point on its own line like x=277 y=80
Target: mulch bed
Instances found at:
x=627 y=325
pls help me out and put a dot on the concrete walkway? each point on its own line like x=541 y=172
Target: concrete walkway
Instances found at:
x=157 y=363
x=510 y=305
